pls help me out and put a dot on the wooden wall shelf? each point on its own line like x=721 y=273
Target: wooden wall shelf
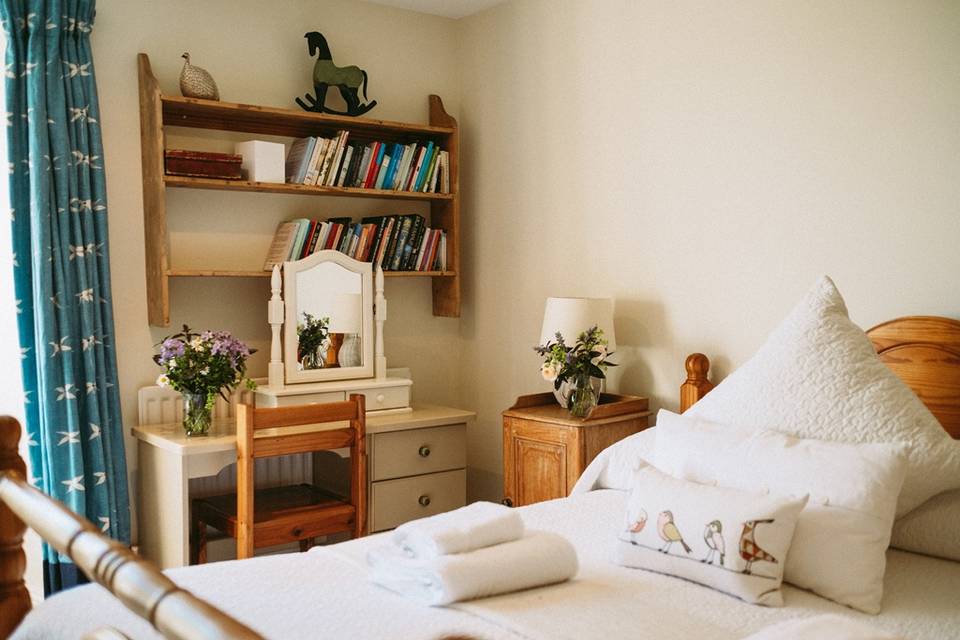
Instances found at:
x=226 y=273
x=300 y=189
x=158 y=112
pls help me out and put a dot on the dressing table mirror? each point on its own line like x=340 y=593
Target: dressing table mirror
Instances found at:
x=327 y=335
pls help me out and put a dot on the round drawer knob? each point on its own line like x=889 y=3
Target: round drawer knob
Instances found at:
x=424 y=451
x=424 y=501
x=381 y=398
x=507 y=502
x=297 y=532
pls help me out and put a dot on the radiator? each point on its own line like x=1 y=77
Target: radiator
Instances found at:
x=158 y=405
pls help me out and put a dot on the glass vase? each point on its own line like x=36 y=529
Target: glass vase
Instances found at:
x=197 y=413
x=583 y=396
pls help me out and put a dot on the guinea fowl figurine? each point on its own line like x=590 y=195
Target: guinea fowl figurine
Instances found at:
x=196 y=82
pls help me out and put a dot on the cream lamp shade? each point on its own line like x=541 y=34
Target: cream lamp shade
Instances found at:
x=346 y=313
x=573 y=316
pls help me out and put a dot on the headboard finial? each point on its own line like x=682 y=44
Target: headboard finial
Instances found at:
x=697 y=383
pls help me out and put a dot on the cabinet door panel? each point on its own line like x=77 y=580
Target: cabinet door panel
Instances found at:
x=541 y=469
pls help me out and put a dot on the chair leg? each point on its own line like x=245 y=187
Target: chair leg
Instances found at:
x=201 y=544
x=306 y=544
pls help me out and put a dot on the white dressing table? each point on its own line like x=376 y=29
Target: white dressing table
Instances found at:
x=416 y=458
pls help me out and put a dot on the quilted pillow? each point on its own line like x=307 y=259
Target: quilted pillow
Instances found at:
x=853 y=493
x=818 y=376
x=933 y=528
x=613 y=468
x=733 y=541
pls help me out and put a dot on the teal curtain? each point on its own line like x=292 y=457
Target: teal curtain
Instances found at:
x=58 y=202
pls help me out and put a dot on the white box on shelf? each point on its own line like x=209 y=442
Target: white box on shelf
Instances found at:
x=262 y=161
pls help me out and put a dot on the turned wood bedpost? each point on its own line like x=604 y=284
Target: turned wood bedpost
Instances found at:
x=697 y=383
x=14 y=598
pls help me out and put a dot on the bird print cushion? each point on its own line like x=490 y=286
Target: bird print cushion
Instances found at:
x=853 y=492
x=818 y=376
x=730 y=540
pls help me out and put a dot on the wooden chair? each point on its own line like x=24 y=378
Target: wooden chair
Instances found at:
x=293 y=513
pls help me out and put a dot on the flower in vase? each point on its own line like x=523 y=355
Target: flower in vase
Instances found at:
x=163 y=380
x=549 y=371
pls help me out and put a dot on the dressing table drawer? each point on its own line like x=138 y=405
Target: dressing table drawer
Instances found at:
x=385 y=398
x=418 y=451
x=393 y=502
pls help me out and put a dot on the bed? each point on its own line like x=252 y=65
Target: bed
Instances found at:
x=325 y=593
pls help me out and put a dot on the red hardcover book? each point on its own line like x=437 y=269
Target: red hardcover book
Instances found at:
x=374 y=166
x=431 y=250
x=304 y=250
x=334 y=237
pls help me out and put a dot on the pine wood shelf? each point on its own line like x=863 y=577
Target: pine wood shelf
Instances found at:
x=301 y=189
x=157 y=112
x=227 y=273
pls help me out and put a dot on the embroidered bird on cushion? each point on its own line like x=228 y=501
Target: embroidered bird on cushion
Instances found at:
x=669 y=532
x=638 y=524
x=713 y=536
x=196 y=82
x=749 y=549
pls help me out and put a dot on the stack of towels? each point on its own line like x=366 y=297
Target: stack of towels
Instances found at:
x=477 y=551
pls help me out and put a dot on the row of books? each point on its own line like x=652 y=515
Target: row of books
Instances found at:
x=395 y=243
x=337 y=162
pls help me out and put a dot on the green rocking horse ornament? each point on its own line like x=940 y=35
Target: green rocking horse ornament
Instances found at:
x=348 y=80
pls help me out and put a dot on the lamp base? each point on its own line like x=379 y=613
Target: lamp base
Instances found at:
x=350 y=351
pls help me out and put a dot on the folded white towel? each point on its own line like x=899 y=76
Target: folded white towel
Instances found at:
x=539 y=558
x=475 y=526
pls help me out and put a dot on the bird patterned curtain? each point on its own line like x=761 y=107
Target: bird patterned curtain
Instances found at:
x=58 y=201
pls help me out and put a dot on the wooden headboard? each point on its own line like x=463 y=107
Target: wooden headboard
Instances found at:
x=923 y=351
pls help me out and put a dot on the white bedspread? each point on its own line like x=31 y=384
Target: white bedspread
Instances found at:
x=325 y=593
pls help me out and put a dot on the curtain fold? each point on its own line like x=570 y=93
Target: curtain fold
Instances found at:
x=58 y=210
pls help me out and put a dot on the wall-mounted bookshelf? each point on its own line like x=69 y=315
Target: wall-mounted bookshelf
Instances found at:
x=158 y=111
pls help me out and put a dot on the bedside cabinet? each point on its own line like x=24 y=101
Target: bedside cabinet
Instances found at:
x=545 y=449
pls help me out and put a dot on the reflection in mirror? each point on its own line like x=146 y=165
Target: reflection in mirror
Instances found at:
x=329 y=305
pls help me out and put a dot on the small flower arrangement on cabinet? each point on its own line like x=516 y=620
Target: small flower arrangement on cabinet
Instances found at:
x=200 y=366
x=573 y=369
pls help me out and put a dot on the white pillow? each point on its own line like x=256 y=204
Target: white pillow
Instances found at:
x=818 y=376
x=733 y=541
x=613 y=468
x=839 y=549
x=932 y=528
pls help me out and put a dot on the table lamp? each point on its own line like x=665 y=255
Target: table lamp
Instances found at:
x=345 y=318
x=573 y=316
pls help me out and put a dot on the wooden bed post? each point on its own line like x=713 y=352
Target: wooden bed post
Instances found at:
x=14 y=598
x=697 y=383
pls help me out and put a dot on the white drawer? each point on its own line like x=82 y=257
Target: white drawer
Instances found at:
x=417 y=451
x=310 y=398
x=393 y=502
x=385 y=398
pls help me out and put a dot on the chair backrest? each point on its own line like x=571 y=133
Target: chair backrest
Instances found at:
x=288 y=436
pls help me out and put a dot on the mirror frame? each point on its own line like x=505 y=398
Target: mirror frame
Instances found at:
x=290 y=270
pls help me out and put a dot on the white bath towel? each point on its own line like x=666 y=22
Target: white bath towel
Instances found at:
x=539 y=558
x=475 y=526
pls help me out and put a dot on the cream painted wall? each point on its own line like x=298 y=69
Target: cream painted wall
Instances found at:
x=257 y=53
x=702 y=163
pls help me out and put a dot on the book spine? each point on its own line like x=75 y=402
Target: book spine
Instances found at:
x=382 y=173
x=376 y=155
x=413 y=243
x=422 y=169
x=311 y=174
x=347 y=157
x=401 y=241
x=337 y=159
x=385 y=241
x=416 y=169
x=283 y=240
x=361 y=171
x=431 y=169
x=307 y=239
